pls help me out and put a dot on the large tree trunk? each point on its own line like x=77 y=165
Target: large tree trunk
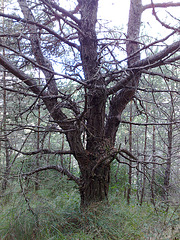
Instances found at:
x=94 y=181
x=94 y=187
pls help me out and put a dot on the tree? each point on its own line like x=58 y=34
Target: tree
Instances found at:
x=49 y=32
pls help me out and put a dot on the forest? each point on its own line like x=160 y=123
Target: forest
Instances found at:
x=89 y=120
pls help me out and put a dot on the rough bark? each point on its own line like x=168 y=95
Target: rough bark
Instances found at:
x=94 y=188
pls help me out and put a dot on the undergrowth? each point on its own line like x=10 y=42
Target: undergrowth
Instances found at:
x=53 y=213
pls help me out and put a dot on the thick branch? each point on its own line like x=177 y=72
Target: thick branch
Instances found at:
x=161 y=5
x=148 y=63
x=57 y=168
x=111 y=156
x=36 y=48
x=62 y=10
x=172 y=60
x=74 y=138
x=157 y=59
x=21 y=75
x=121 y=84
x=161 y=22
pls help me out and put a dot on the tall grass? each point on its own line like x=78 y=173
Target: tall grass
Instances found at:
x=53 y=213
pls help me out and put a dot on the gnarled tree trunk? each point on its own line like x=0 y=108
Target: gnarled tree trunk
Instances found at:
x=94 y=187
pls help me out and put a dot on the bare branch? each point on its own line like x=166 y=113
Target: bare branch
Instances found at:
x=172 y=60
x=42 y=151
x=43 y=67
x=18 y=91
x=62 y=10
x=18 y=19
x=126 y=163
x=161 y=22
x=128 y=153
x=150 y=124
x=152 y=90
x=63 y=16
x=161 y=5
x=21 y=75
x=111 y=156
x=161 y=75
x=57 y=168
x=158 y=59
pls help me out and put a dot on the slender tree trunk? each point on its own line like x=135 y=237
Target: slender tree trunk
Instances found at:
x=153 y=168
x=116 y=174
x=130 y=163
x=49 y=147
x=168 y=165
x=170 y=144
x=144 y=160
x=38 y=147
x=62 y=148
x=137 y=173
x=70 y=161
x=6 y=144
x=7 y=165
x=38 y=141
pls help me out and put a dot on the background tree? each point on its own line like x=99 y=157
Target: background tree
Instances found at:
x=50 y=37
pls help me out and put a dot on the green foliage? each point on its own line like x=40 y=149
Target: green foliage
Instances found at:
x=53 y=213
x=119 y=179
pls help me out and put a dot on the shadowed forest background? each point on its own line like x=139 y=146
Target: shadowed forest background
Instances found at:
x=89 y=119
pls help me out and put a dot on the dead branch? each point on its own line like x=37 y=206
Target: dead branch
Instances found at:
x=151 y=124
x=54 y=167
x=160 y=5
x=161 y=22
x=43 y=151
x=176 y=79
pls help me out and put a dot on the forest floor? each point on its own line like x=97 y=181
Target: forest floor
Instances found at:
x=52 y=213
